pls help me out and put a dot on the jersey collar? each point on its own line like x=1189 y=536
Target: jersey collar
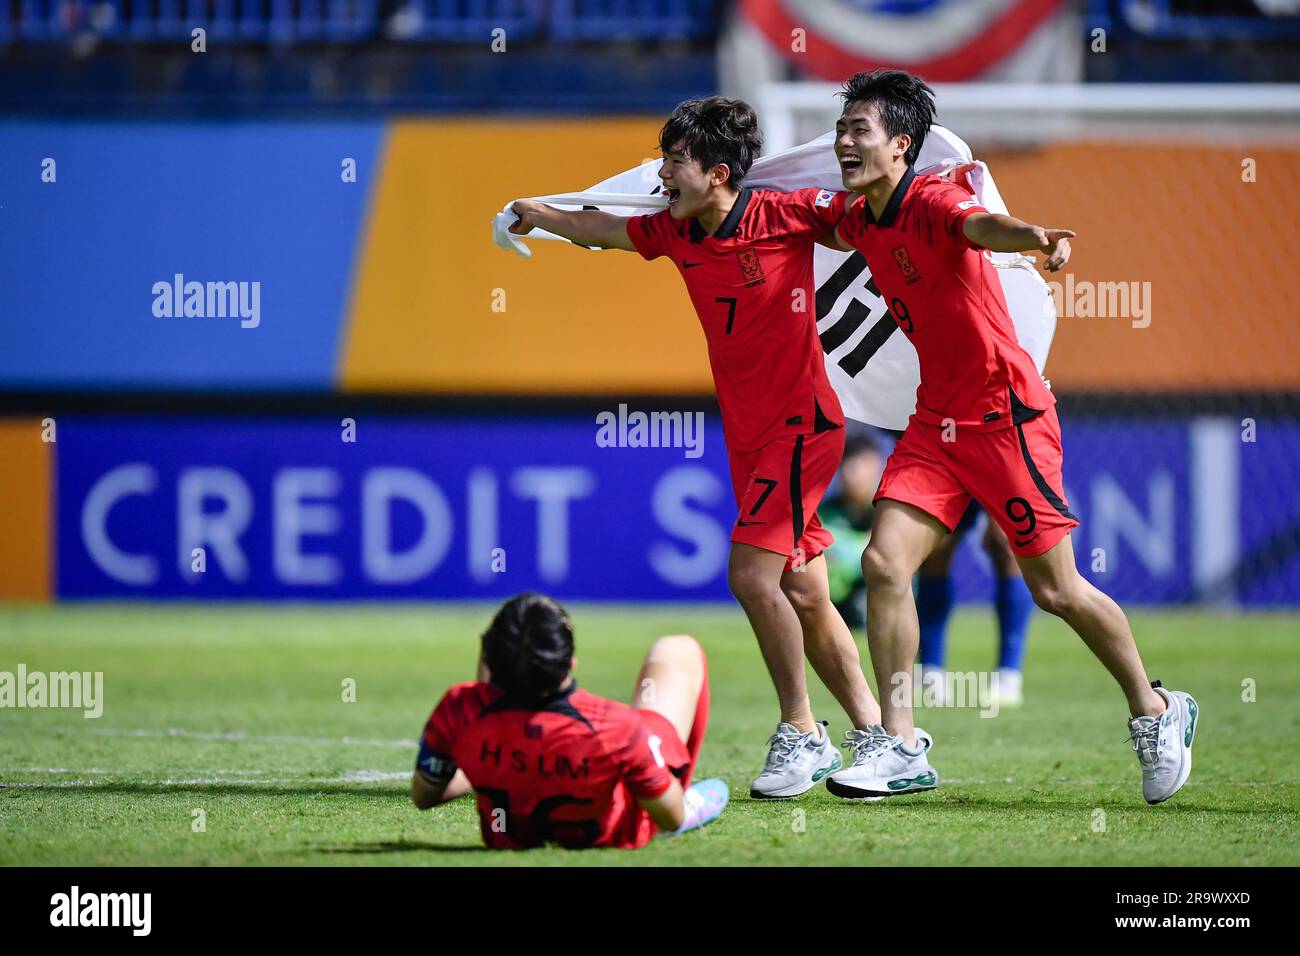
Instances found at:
x=729 y=225
x=895 y=201
x=557 y=703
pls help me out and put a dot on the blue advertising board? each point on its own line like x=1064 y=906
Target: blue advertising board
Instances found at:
x=476 y=508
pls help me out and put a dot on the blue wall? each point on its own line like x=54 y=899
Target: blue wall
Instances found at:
x=133 y=204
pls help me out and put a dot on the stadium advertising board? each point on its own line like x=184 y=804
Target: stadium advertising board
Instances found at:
x=465 y=508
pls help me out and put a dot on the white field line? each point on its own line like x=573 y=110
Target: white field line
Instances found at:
x=206 y=777
x=239 y=736
x=102 y=770
x=250 y=778
x=261 y=777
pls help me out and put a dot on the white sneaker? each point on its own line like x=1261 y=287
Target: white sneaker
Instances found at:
x=1009 y=689
x=795 y=763
x=882 y=766
x=1164 y=744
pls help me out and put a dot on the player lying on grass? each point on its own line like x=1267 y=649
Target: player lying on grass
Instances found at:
x=985 y=428
x=551 y=763
x=746 y=257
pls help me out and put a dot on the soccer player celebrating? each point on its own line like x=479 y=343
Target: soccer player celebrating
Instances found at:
x=984 y=428
x=554 y=764
x=746 y=257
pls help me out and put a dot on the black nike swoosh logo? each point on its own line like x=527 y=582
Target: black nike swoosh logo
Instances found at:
x=691 y=265
x=1021 y=544
x=745 y=524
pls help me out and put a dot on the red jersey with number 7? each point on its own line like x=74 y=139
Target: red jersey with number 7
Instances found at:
x=944 y=293
x=751 y=283
x=567 y=770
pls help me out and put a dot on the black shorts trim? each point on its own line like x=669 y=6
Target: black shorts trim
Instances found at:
x=1020 y=412
x=1040 y=482
x=820 y=422
x=796 y=490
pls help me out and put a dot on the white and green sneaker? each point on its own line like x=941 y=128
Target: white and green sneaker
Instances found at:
x=1164 y=744
x=882 y=766
x=795 y=763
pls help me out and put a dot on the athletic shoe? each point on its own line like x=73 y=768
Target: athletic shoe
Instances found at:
x=1164 y=744
x=883 y=766
x=795 y=762
x=1009 y=689
x=705 y=802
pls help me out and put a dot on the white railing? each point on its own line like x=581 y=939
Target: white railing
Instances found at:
x=789 y=111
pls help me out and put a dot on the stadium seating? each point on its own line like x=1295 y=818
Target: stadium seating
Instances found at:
x=334 y=21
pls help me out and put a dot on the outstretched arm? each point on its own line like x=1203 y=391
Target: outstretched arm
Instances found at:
x=668 y=810
x=588 y=227
x=833 y=240
x=1001 y=233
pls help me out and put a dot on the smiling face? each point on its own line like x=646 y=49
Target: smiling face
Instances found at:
x=865 y=150
x=687 y=185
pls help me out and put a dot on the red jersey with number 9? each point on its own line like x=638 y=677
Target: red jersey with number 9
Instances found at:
x=567 y=770
x=751 y=283
x=945 y=295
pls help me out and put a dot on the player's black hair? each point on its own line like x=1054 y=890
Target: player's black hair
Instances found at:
x=715 y=130
x=904 y=101
x=528 y=647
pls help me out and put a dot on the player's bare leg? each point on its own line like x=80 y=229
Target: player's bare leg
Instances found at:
x=755 y=579
x=892 y=758
x=800 y=753
x=1163 y=721
x=1058 y=588
x=902 y=536
x=828 y=642
x=998 y=548
x=674 y=681
x=670 y=681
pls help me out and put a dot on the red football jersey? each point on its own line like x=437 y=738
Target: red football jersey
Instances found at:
x=751 y=283
x=945 y=295
x=568 y=771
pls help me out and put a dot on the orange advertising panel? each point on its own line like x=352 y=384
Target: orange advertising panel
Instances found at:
x=438 y=307
x=1205 y=258
x=25 y=479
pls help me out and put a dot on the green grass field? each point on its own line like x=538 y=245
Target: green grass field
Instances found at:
x=239 y=712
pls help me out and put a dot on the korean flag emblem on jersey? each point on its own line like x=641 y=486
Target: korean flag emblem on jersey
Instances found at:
x=825 y=198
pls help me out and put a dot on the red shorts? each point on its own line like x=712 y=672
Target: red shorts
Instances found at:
x=1014 y=473
x=778 y=488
